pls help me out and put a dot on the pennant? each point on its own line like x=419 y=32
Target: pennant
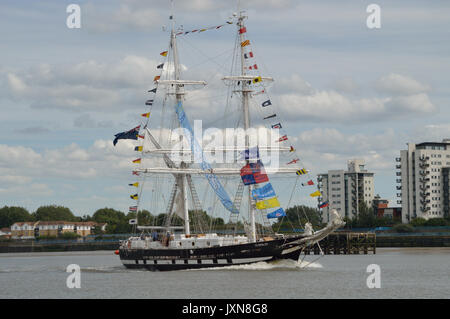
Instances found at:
x=160 y=66
x=134 y=184
x=203 y=30
x=131 y=135
x=132 y=221
x=276 y=213
x=138 y=148
x=315 y=194
x=276 y=125
x=324 y=204
x=132 y=208
x=268 y=203
x=253 y=67
x=245 y=43
x=135 y=173
x=283 y=138
x=293 y=161
x=248 y=55
x=301 y=171
x=135 y=196
x=270 y=116
x=153 y=90
x=137 y=161
x=146 y=115
x=292 y=149
x=149 y=102
x=257 y=79
x=242 y=30
x=266 y=191
x=156 y=78
x=218 y=27
x=194 y=30
x=229 y=22
x=164 y=53
x=141 y=136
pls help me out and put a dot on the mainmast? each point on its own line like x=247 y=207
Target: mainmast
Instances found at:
x=245 y=109
x=181 y=179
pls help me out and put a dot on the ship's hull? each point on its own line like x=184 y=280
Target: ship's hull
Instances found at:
x=197 y=258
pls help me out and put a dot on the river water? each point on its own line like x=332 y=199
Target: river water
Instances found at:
x=404 y=273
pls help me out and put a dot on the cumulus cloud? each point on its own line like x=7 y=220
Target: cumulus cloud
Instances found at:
x=400 y=84
x=309 y=104
x=87 y=86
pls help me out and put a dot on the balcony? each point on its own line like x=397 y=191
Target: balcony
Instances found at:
x=424 y=195
x=398 y=159
x=398 y=166
x=424 y=180
x=424 y=158
x=398 y=180
x=398 y=188
x=399 y=194
x=424 y=165
x=398 y=173
x=399 y=202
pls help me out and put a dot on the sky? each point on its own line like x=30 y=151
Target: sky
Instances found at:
x=345 y=91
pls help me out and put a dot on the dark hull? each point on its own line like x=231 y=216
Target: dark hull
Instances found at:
x=179 y=259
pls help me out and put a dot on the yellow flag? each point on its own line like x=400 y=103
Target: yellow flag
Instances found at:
x=245 y=43
x=164 y=53
x=135 y=196
x=315 y=194
x=301 y=171
x=134 y=184
x=268 y=203
x=146 y=115
x=257 y=79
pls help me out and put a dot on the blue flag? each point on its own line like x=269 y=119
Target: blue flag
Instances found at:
x=130 y=135
x=264 y=192
x=276 y=213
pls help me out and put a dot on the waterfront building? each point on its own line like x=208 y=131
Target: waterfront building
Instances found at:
x=24 y=230
x=423 y=180
x=5 y=232
x=346 y=190
x=28 y=230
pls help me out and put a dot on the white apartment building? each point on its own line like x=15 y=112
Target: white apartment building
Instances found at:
x=423 y=175
x=344 y=190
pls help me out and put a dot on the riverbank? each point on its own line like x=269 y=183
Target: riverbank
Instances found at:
x=382 y=240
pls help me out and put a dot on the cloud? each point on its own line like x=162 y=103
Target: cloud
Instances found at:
x=400 y=85
x=87 y=86
x=308 y=104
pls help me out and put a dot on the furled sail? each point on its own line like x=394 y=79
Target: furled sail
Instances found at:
x=198 y=157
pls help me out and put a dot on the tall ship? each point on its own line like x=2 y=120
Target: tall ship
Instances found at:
x=174 y=168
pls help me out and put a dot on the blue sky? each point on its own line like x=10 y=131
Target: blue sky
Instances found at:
x=345 y=91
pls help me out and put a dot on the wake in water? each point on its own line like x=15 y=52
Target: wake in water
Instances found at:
x=284 y=264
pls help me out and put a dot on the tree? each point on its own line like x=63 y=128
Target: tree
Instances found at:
x=54 y=213
x=13 y=214
x=117 y=221
x=298 y=216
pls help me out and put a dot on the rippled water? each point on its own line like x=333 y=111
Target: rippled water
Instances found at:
x=405 y=273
